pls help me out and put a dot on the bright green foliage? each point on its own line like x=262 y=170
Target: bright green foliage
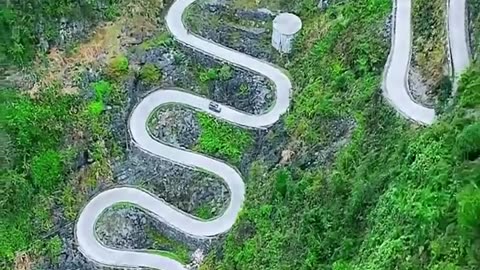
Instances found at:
x=210 y=74
x=95 y=108
x=204 y=212
x=150 y=74
x=470 y=88
x=223 y=73
x=36 y=124
x=47 y=170
x=102 y=89
x=469 y=211
x=35 y=129
x=14 y=235
x=395 y=197
x=54 y=248
x=162 y=40
x=219 y=138
x=118 y=67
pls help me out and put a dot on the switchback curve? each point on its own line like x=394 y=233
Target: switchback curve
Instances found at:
x=85 y=227
x=395 y=83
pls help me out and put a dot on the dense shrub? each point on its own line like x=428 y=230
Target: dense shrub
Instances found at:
x=118 y=67
x=47 y=170
x=36 y=127
x=36 y=124
x=469 y=211
x=150 y=74
x=219 y=138
x=102 y=89
x=15 y=191
x=468 y=142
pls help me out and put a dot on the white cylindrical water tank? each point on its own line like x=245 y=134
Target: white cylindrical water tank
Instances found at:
x=285 y=28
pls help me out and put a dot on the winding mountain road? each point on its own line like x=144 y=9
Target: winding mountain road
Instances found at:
x=395 y=89
x=85 y=227
x=395 y=83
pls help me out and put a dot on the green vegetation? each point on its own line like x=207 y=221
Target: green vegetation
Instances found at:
x=396 y=197
x=37 y=168
x=162 y=40
x=223 y=73
x=429 y=39
x=204 y=212
x=118 y=67
x=150 y=74
x=219 y=138
x=20 y=21
x=166 y=247
x=54 y=248
x=102 y=90
x=47 y=170
x=244 y=89
x=40 y=133
x=210 y=74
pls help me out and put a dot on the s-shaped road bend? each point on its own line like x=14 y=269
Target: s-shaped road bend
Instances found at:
x=395 y=83
x=85 y=227
x=395 y=90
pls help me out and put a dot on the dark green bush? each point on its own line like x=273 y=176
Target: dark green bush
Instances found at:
x=281 y=183
x=210 y=74
x=468 y=212
x=15 y=191
x=150 y=74
x=468 y=142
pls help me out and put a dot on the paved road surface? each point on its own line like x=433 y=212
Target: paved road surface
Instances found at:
x=395 y=84
x=395 y=89
x=458 y=36
x=85 y=228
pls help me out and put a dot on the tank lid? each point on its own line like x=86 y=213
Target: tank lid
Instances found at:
x=287 y=23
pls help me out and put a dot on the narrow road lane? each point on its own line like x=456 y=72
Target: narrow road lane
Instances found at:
x=85 y=228
x=458 y=36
